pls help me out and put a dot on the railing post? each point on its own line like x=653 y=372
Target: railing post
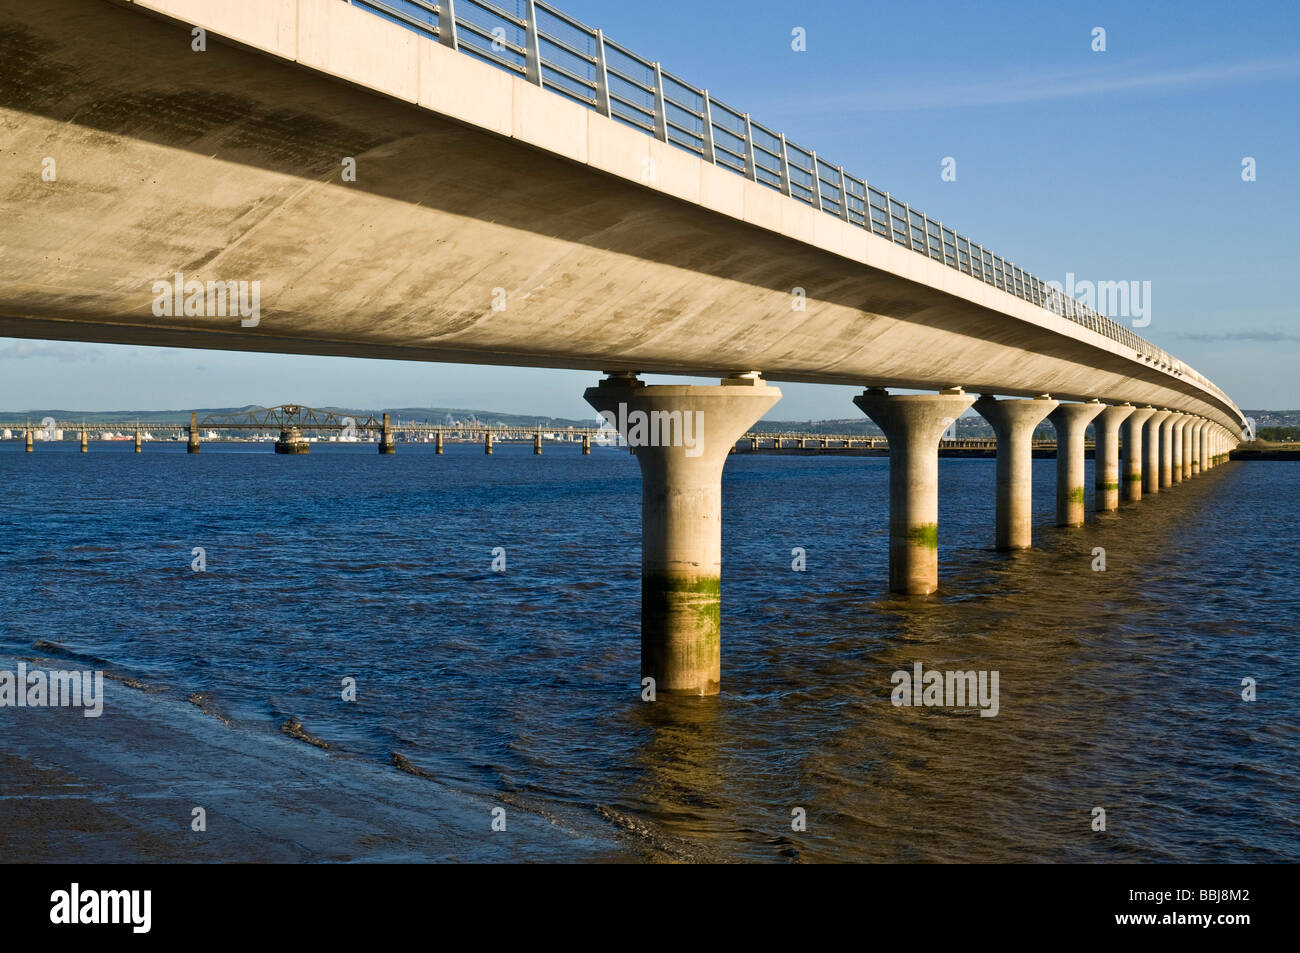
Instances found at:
x=751 y=170
x=706 y=143
x=817 y=182
x=602 y=77
x=907 y=226
x=532 y=47
x=447 y=23
x=785 y=168
x=661 y=110
x=844 y=200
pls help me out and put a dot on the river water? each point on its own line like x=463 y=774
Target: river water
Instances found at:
x=1118 y=689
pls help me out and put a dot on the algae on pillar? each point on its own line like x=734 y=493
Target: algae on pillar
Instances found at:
x=1134 y=429
x=1071 y=422
x=1013 y=422
x=1105 y=471
x=913 y=424
x=682 y=435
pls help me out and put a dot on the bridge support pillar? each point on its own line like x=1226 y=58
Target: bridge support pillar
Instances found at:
x=487 y=443
x=1167 y=450
x=1071 y=421
x=537 y=444
x=29 y=447
x=137 y=439
x=1185 y=443
x=386 y=444
x=682 y=434
x=1151 y=465
x=1014 y=421
x=586 y=445
x=85 y=441
x=1105 y=471
x=1178 y=424
x=1207 y=433
x=437 y=445
x=1194 y=430
x=193 y=445
x=1134 y=428
x=913 y=424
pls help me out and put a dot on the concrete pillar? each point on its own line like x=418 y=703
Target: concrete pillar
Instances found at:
x=1134 y=427
x=1105 y=471
x=683 y=434
x=137 y=439
x=487 y=442
x=913 y=424
x=85 y=441
x=437 y=444
x=1193 y=445
x=1151 y=464
x=1183 y=449
x=1177 y=424
x=537 y=444
x=586 y=445
x=1071 y=422
x=1167 y=449
x=1014 y=421
x=386 y=444
x=776 y=443
x=193 y=445
x=1206 y=461
x=29 y=448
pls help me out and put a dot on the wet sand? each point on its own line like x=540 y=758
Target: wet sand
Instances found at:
x=122 y=788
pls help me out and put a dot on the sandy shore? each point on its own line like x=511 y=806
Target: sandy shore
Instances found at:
x=123 y=787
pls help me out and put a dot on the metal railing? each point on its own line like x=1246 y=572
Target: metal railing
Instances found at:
x=546 y=46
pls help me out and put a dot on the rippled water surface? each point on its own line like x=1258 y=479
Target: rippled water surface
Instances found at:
x=1118 y=689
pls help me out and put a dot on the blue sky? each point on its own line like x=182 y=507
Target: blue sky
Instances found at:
x=1115 y=165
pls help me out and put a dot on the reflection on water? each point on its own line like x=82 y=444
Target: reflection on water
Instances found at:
x=1118 y=689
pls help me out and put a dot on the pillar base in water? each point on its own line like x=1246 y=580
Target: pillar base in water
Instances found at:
x=914 y=423
x=387 y=447
x=1014 y=421
x=682 y=435
x=1071 y=421
x=1106 y=472
x=291 y=441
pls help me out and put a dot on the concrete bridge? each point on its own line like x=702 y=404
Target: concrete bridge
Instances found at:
x=406 y=180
